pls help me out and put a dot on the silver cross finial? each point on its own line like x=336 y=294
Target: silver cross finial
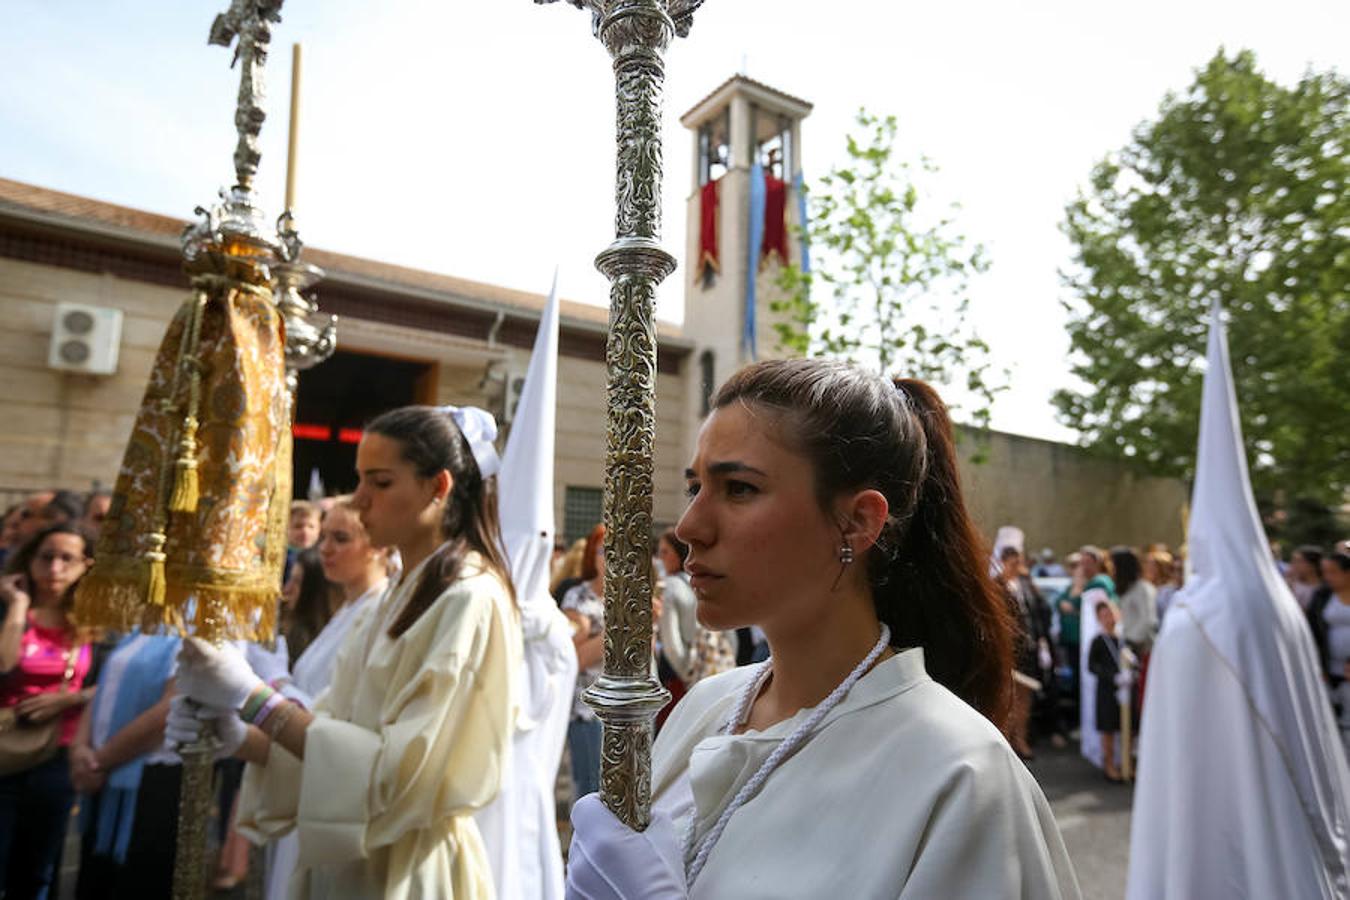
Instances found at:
x=250 y=22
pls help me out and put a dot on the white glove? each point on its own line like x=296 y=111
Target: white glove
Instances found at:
x=610 y=861
x=188 y=721
x=215 y=676
x=1044 y=658
x=1123 y=679
x=269 y=665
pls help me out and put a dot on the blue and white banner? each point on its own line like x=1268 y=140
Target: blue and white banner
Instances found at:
x=756 y=235
x=799 y=185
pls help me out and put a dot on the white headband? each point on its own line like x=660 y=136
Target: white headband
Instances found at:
x=480 y=430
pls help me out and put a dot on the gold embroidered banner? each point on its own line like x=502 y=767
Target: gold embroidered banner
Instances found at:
x=195 y=537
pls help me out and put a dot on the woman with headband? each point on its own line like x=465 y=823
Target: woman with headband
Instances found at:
x=380 y=780
x=864 y=758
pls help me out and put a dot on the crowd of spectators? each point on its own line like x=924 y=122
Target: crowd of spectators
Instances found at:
x=101 y=701
x=86 y=710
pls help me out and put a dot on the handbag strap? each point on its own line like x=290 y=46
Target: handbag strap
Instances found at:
x=72 y=659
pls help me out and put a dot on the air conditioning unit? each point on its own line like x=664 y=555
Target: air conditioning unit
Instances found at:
x=85 y=339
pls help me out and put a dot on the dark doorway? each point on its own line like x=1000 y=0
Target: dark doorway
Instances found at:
x=335 y=400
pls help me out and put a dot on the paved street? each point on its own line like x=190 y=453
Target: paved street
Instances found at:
x=1093 y=815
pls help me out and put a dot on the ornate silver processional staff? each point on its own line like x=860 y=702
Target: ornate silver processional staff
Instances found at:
x=196 y=541
x=626 y=696
x=233 y=240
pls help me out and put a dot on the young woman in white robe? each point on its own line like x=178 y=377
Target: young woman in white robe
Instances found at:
x=864 y=759
x=360 y=570
x=380 y=781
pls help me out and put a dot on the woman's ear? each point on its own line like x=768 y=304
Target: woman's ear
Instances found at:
x=445 y=483
x=862 y=517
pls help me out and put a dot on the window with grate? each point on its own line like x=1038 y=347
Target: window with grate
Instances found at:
x=582 y=511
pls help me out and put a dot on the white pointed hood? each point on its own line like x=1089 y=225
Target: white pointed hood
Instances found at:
x=1236 y=631
x=519 y=826
x=526 y=480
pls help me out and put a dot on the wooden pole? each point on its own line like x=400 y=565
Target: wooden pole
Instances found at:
x=295 y=128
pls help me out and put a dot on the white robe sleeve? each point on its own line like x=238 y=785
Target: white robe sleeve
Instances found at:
x=378 y=768
x=992 y=834
x=673 y=625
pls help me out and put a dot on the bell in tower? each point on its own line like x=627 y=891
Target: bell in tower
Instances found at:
x=743 y=211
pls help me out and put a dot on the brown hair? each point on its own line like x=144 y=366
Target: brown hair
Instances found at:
x=304 y=507
x=347 y=503
x=22 y=559
x=432 y=443
x=680 y=547
x=594 y=541
x=306 y=617
x=569 y=567
x=1126 y=569
x=928 y=570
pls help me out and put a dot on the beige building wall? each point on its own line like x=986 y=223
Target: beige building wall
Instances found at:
x=581 y=436
x=66 y=430
x=60 y=429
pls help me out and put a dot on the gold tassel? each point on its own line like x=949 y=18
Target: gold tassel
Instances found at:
x=185 y=485
x=184 y=498
x=155 y=584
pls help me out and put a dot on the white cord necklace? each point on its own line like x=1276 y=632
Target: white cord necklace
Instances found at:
x=785 y=749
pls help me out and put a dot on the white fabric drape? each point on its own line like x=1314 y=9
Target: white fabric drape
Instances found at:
x=903 y=791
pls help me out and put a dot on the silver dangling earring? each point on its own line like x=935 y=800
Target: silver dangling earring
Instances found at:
x=846 y=553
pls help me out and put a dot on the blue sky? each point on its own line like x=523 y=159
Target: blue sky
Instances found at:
x=476 y=138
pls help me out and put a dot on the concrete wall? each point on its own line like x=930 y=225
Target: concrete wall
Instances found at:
x=1062 y=497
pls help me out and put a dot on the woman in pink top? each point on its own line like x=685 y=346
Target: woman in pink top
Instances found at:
x=38 y=646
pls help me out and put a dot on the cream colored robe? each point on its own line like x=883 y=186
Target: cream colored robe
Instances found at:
x=408 y=741
x=903 y=791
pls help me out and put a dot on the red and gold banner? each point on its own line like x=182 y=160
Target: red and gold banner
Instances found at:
x=707 y=230
x=195 y=538
x=775 y=220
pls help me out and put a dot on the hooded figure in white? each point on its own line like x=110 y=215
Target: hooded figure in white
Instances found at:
x=519 y=827
x=1243 y=786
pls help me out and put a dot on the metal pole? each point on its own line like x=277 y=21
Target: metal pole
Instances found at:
x=626 y=697
x=194 y=806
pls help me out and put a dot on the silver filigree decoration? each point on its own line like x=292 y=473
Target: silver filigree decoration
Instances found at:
x=203 y=233
x=289 y=236
x=626 y=697
x=681 y=12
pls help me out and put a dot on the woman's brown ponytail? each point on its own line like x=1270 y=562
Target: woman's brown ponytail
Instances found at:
x=937 y=593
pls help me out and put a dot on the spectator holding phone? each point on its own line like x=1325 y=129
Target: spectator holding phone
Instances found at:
x=44 y=664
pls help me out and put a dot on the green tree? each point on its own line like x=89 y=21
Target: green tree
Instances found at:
x=896 y=275
x=1236 y=192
